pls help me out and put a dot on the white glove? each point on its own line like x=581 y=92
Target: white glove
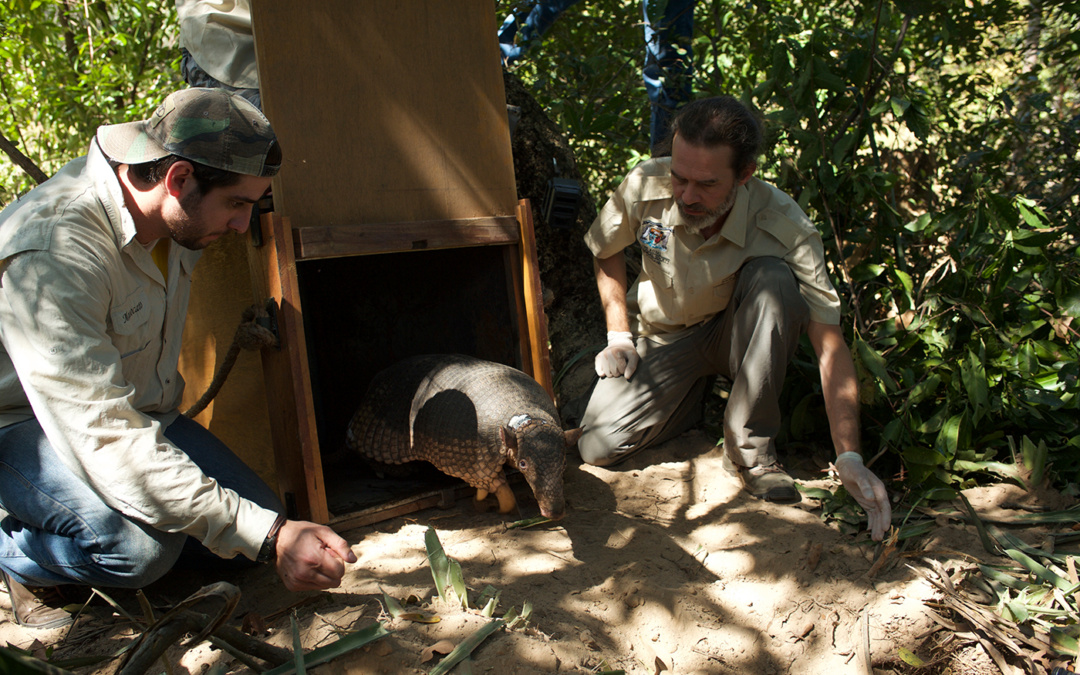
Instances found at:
x=620 y=357
x=868 y=491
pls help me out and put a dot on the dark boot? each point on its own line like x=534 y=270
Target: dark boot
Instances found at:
x=36 y=607
x=769 y=482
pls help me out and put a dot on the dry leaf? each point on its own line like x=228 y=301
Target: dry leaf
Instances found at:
x=39 y=650
x=253 y=624
x=419 y=617
x=589 y=641
x=660 y=666
x=442 y=647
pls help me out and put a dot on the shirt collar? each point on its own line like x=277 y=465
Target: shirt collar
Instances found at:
x=110 y=193
x=734 y=229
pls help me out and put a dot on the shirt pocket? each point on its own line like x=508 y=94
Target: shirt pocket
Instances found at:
x=783 y=229
x=130 y=320
x=656 y=273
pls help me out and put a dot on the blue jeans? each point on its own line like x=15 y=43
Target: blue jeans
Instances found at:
x=669 y=26
x=58 y=531
x=668 y=68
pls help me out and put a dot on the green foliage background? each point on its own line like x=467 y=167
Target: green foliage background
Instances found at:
x=936 y=145
x=934 y=142
x=68 y=66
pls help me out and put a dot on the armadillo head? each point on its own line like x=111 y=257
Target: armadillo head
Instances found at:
x=537 y=448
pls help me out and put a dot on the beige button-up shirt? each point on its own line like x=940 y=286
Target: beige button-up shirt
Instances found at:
x=686 y=280
x=89 y=345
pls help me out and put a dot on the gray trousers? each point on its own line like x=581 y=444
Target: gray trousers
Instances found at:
x=751 y=343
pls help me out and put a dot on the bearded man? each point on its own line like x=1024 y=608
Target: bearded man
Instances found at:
x=733 y=273
x=102 y=482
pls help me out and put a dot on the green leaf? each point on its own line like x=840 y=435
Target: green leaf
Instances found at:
x=344 y=645
x=393 y=607
x=919 y=224
x=917 y=454
x=924 y=389
x=908 y=657
x=466 y=647
x=1031 y=213
x=518 y=619
x=938 y=494
x=949 y=438
x=997 y=468
x=988 y=542
x=1034 y=458
x=299 y=667
x=437 y=559
x=488 y=600
x=15 y=662
x=1041 y=572
x=912 y=530
x=457 y=581
x=973 y=375
x=1003 y=578
x=866 y=271
x=813 y=492
x=874 y=363
x=1017 y=610
x=1062 y=642
x=1070 y=302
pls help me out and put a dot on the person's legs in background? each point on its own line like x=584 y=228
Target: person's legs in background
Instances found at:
x=669 y=68
x=516 y=37
x=195 y=76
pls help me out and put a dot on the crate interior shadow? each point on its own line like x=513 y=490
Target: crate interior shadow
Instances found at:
x=363 y=313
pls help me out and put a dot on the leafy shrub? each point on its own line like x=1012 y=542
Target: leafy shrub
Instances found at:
x=935 y=144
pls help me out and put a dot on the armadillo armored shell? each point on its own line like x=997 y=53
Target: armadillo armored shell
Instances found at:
x=447 y=410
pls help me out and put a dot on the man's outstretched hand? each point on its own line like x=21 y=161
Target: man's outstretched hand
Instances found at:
x=311 y=557
x=868 y=491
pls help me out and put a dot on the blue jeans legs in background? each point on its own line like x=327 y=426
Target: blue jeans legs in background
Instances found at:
x=668 y=71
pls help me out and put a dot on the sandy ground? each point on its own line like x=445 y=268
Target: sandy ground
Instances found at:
x=660 y=565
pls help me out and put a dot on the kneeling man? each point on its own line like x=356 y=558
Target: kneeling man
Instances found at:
x=733 y=273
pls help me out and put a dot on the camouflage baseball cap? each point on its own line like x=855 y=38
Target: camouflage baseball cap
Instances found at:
x=209 y=126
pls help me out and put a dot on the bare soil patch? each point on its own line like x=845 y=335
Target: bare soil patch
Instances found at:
x=660 y=565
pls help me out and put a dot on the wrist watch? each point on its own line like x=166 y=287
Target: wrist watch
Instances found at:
x=268 y=551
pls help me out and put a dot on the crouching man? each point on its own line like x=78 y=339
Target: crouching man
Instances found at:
x=733 y=273
x=102 y=481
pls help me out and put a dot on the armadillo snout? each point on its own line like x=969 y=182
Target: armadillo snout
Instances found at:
x=553 y=512
x=548 y=491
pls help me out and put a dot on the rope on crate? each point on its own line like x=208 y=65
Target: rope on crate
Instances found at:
x=249 y=335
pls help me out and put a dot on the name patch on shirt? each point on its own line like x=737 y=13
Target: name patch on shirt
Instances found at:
x=130 y=313
x=654 y=238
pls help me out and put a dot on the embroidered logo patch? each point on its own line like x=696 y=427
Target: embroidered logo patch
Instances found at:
x=654 y=239
x=655 y=235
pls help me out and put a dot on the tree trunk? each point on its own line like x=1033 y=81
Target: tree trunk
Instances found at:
x=574 y=315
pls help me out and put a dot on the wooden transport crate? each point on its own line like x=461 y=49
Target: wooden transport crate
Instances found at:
x=395 y=229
